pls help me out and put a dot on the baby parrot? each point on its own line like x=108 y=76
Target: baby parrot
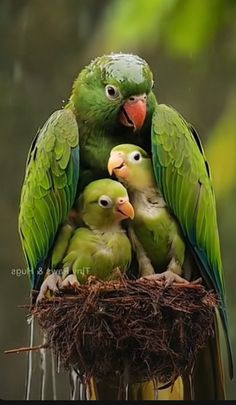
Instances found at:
x=155 y=234
x=100 y=247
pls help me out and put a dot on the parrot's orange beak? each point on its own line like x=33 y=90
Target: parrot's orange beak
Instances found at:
x=134 y=112
x=124 y=209
x=117 y=165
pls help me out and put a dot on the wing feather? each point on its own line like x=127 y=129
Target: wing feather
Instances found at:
x=184 y=179
x=180 y=169
x=49 y=187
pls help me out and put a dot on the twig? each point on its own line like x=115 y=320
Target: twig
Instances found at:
x=26 y=349
x=158 y=330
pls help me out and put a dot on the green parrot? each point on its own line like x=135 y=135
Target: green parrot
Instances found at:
x=112 y=102
x=100 y=247
x=155 y=234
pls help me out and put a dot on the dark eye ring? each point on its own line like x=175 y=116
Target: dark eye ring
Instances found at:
x=112 y=92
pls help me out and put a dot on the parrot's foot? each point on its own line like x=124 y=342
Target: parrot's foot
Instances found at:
x=117 y=273
x=51 y=283
x=168 y=276
x=144 y=263
x=92 y=280
x=174 y=266
x=70 y=282
x=197 y=281
x=146 y=269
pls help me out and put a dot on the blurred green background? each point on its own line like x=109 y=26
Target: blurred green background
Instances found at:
x=191 y=48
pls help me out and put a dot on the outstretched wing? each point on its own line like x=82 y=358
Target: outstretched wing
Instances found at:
x=183 y=176
x=49 y=188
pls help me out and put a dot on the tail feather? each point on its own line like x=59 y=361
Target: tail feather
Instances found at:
x=140 y=391
x=228 y=346
x=208 y=377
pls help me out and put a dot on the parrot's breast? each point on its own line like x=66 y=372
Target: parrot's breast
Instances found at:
x=120 y=247
x=148 y=203
x=112 y=251
x=153 y=227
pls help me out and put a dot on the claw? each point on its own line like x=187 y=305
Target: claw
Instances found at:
x=197 y=281
x=91 y=280
x=51 y=283
x=171 y=278
x=118 y=274
x=168 y=276
x=70 y=282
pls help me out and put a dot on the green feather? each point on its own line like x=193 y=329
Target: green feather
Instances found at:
x=103 y=246
x=157 y=232
x=182 y=172
x=182 y=183
x=48 y=192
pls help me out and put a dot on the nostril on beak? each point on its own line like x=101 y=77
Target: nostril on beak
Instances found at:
x=142 y=97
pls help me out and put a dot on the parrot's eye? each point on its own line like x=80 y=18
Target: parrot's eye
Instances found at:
x=112 y=92
x=135 y=157
x=105 y=202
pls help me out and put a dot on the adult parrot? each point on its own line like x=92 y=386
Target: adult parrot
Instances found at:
x=155 y=234
x=112 y=102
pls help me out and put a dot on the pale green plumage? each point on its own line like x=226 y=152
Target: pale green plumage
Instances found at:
x=156 y=229
x=97 y=254
x=103 y=246
x=61 y=244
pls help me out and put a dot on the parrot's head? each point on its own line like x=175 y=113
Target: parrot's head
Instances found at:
x=104 y=204
x=114 y=91
x=132 y=166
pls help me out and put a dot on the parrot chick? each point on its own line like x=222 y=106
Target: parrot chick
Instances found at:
x=101 y=247
x=155 y=234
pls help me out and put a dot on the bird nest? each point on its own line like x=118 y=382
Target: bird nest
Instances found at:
x=139 y=329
